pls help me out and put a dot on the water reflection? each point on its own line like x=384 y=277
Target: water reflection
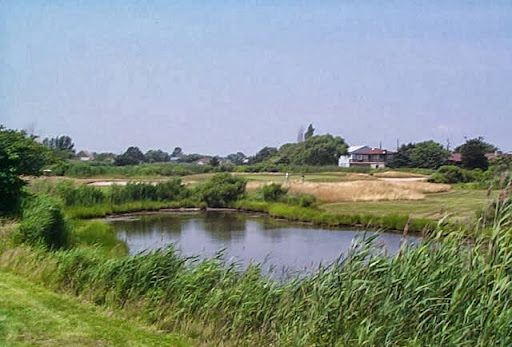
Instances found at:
x=247 y=238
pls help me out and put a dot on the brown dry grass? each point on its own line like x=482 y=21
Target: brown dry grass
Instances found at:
x=362 y=190
x=399 y=174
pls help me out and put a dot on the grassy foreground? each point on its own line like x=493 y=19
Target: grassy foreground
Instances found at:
x=31 y=315
x=439 y=293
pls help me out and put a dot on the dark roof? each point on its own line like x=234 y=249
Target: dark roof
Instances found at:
x=374 y=151
x=457 y=157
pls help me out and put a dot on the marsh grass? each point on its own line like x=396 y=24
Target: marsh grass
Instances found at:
x=391 y=221
x=98 y=235
x=367 y=190
x=359 y=190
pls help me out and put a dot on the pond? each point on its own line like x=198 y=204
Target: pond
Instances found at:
x=248 y=238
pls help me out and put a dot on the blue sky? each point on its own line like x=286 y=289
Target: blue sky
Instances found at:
x=220 y=77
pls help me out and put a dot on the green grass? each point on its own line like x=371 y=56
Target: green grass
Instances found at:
x=393 y=221
x=459 y=205
x=441 y=292
x=31 y=315
x=98 y=235
x=97 y=211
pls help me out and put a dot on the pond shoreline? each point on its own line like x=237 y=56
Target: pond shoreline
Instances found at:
x=261 y=212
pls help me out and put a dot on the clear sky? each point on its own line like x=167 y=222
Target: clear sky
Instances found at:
x=217 y=77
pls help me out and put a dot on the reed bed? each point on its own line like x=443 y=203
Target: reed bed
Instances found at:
x=442 y=292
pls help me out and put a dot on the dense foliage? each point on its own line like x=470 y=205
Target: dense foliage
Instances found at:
x=454 y=174
x=43 y=224
x=263 y=155
x=426 y=155
x=315 y=151
x=62 y=146
x=156 y=156
x=237 y=158
x=222 y=190
x=473 y=154
x=84 y=195
x=132 y=156
x=273 y=192
x=20 y=154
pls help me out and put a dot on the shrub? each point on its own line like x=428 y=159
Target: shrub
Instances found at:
x=453 y=174
x=306 y=200
x=273 y=192
x=303 y=200
x=43 y=224
x=448 y=174
x=222 y=190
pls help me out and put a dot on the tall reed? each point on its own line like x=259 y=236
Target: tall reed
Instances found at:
x=443 y=292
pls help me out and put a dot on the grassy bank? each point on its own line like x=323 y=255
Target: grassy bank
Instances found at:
x=393 y=221
x=99 y=211
x=31 y=315
x=441 y=292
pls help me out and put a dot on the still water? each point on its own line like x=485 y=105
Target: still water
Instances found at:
x=247 y=238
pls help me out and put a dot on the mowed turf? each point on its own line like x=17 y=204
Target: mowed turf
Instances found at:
x=457 y=204
x=31 y=315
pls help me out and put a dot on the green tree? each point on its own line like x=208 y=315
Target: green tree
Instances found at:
x=63 y=146
x=322 y=150
x=473 y=154
x=316 y=150
x=402 y=158
x=20 y=154
x=310 y=131
x=156 y=156
x=215 y=162
x=132 y=156
x=177 y=152
x=263 y=155
x=237 y=158
x=428 y=155
x=488 y=147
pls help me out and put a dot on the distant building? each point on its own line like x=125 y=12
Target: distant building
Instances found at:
x=365 y=156
x=85 y=156
x=203 y=161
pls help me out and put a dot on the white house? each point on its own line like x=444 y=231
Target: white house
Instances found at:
x=344 y=160
x=365 y=156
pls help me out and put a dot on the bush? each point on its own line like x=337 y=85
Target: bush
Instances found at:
x=306 y=200
x=222 y=190
x=453 y=174
x=302 y=200
x=273 y=192
x=43 y=224
x=448 y=174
